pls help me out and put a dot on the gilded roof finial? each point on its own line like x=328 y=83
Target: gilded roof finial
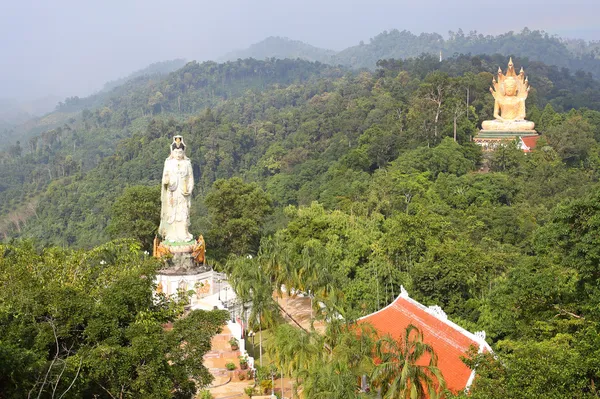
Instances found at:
x=511 y=68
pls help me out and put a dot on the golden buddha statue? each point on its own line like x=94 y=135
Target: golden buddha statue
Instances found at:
x=510 y=93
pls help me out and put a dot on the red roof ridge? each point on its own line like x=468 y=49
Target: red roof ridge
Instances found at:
x=430 y=330
x=439 y=314
x=435 y=327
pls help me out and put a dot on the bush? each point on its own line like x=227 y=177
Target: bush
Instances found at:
x=205 y=394
x=265 y=372
x=241 y=375
x=266 y=386
x=230 y=366
x=249 y=390
x=243 y=362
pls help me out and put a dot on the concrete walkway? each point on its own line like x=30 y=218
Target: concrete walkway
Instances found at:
x=227 y=384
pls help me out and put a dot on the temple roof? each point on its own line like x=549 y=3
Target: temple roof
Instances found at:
x=529 y=143
x=449 y=341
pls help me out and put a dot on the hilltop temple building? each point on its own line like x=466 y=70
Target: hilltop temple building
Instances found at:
x=510 y=92
x=449 y=341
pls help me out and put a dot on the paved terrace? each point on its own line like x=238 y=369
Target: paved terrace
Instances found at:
x=226 y=384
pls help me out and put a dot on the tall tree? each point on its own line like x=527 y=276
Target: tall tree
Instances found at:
x=252 y=284
x=87 y=324
x=573 y=139
x=136 y=214
x=237 y=211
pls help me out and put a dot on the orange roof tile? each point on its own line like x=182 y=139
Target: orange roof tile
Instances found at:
x=530 y=142
x=449 y=341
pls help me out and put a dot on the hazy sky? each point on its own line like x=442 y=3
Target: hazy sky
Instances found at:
x=71 y=47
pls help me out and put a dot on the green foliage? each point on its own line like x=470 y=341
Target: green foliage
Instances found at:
x=553 y=368
x=249 y=390
x=343 y=186
x=237 y=211
x=87 y=323
x=572 y=236
x=399 y=375
x=230 y=366
x=266 y=386
x=381 y=147
x=507 y=158
x=136 y=214
x=572 y=139
x=331 y=380
x=447 y=157
x=549 y=118
x=205 y=394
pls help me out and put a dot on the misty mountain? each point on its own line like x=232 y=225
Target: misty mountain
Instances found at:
x=23 y=120
x=14 y=112
x=157 y=68
x=153 y=72
x=281 y=47
x=534 y=45
x=152 y=110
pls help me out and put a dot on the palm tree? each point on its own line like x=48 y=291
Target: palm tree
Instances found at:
x=293 y=350
x=279 y=350
x=315 y=271
x=399 y=376
x=338 y=316
x=355 y=346
x=330 y=380
x=252 y=284
x=275 y=257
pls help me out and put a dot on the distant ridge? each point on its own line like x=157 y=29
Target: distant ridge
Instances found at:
x=535 y=45
x=28 y=119
x=156 y=68
x=13 y=112
x=281 y=47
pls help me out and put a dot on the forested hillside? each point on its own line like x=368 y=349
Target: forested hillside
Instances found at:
x=76 y=148
x=281 y=48
x=364 y=181
x=31 y=125
x=253 y=115
x=157 y=68
x=534 y=45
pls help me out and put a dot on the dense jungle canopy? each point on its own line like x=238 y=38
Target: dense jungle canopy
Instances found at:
x=364 y=180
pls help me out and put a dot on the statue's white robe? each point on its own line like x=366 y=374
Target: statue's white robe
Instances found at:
x=177 y=186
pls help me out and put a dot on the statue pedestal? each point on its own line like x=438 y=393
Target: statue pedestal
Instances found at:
x=204 y=284
x=491 y=139
x=186 y=258
x=183 y=264
x=185 y=269
x=508 y=126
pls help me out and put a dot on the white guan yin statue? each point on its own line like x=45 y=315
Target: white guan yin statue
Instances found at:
x=177 y=186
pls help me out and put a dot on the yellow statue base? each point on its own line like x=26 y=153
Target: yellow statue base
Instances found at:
x=508 y=126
